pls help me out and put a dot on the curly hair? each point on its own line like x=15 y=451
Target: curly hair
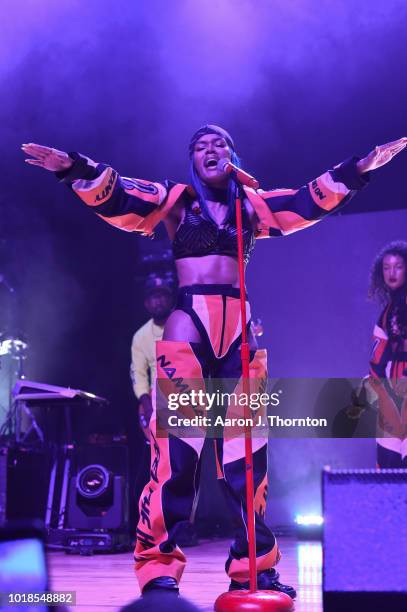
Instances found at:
x=378 y=290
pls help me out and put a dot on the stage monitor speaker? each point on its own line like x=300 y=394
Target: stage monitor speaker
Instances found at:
x=98 y=489
x=365 y=540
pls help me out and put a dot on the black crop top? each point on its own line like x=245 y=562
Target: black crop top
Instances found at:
x=198 y=236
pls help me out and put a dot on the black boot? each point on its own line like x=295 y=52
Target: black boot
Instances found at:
x=166 y=584
x=266 y=581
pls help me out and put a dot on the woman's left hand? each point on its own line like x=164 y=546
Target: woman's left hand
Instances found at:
x=381 y=155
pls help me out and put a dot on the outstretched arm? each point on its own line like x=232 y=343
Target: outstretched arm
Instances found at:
x=381 y=155
x=47 y=158
x=123 y=202
x=283 y=211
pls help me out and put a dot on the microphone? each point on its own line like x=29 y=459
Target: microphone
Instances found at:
x=244 y=178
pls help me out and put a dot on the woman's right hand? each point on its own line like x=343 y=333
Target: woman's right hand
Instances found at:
x=46 y=157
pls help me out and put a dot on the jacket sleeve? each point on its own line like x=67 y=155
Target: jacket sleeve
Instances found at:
x=284 y=211
x=123 y=202
x=381 y=350
x=389 y=422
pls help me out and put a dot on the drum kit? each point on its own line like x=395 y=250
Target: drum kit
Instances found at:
x=27 y=407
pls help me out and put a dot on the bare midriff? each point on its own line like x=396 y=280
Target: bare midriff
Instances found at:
x=208 y=270
x=205 y=270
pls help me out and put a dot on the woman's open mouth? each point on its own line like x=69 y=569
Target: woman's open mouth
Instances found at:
x=211 y=163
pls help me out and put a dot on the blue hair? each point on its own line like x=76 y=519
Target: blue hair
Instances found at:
x=231 y=192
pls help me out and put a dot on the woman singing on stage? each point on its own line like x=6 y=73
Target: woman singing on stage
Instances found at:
x=202 y=336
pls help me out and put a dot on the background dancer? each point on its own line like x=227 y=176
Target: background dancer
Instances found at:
x=388 y=365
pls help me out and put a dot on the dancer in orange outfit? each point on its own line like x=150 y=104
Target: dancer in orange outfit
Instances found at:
x=388 y=365
x=202 y=336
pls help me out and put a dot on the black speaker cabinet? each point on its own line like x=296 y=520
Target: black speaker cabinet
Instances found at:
x=98 y=489
x=365 y=540
x=24 y=480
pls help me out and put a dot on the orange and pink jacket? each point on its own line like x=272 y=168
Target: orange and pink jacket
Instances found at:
x=137 y=205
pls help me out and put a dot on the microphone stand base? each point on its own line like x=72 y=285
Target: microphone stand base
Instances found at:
x=264 y=601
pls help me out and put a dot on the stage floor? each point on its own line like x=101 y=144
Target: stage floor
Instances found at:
x=107 y=582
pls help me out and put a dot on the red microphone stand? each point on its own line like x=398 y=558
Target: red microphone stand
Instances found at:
x=252 y=599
